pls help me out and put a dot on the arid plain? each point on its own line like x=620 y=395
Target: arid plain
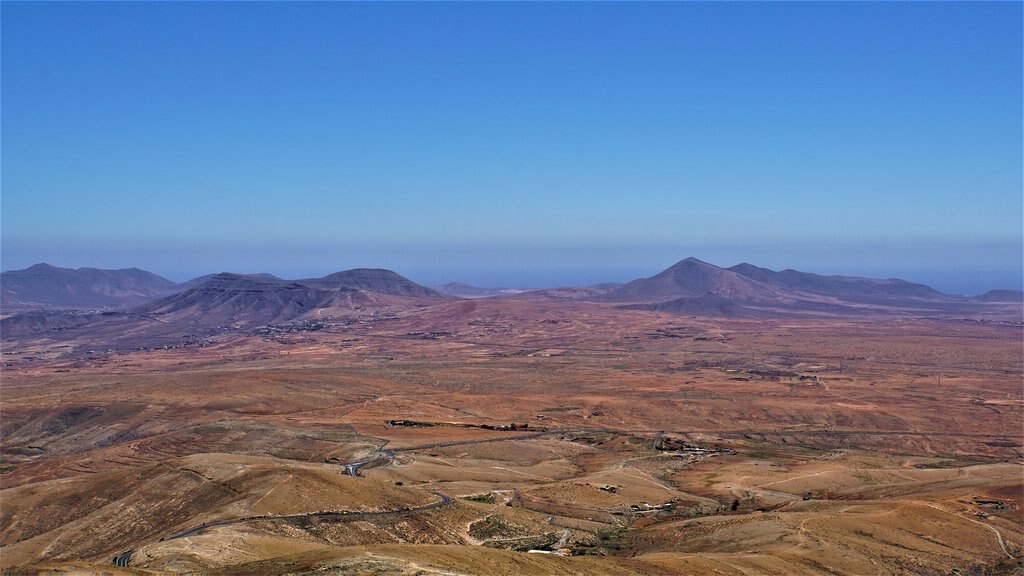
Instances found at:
x=454 y=436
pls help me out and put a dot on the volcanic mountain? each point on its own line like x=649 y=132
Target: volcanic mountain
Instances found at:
x=375 y=280
x=45 y=285
x=691 y=278
x=200 y=280
x=849 y=288
x=697 y=288
x=1001 y=296
x=228 y=301
x=237 y=299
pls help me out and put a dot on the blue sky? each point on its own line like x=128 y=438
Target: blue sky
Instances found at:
x=527 y=144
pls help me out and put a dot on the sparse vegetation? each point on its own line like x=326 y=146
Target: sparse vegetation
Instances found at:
x=609 y=542
x=249 y=405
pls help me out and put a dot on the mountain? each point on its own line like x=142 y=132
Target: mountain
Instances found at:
x=691 y=278
x=228 y=302
x=36 y=322
x=200 y=280
x=375 y=280
x=44 y=285
x=1015 y=296
x=237 y=298
x=225 y=302
x=696 y=288
x=850 y=288
x=259 y=299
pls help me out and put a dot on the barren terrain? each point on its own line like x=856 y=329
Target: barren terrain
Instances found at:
x=452 y=437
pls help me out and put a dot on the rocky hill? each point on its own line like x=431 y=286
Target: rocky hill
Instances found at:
x=43 y=285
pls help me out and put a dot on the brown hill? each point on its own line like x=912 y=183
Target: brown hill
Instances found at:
x=656 y=445
x=375 y=280
x=691 y=278
x=236 y=298
x=849 y=288
x=34 y=322
x=254 y=300
x=53 y=520
x=704 y=305
x=696 y=288
x=1001 y=296
x=200 y=280
x=224 y=301
x=43 y=285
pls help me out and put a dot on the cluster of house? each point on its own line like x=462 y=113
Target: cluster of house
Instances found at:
x=292 y=327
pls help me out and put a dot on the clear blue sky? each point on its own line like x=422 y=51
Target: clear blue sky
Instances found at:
x=523 y=144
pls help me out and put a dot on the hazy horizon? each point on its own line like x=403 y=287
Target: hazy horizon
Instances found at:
x=528 y=269
x=516 y=144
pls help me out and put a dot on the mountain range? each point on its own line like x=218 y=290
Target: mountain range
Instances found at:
x=45 y=285
x=694 y=287
x=689 y=287
x=209 y=304
x=228 y=299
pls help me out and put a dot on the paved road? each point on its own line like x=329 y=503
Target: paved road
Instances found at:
x=566 y=534
x=386 y=456
x=564 y=540
x=123 y=558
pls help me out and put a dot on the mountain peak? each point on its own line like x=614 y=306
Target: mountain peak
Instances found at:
x=378 y=280
x=691 y=260
x=237 y=276
x=48 y=285
x=364 y=273
x=42 y=266
x=745 y=266
x=689 y=278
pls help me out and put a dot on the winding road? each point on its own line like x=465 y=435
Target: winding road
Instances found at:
x=387 y=455
x=999 y=537
x=122 y=559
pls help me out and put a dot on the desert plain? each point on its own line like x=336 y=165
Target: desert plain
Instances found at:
x=456 y=437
